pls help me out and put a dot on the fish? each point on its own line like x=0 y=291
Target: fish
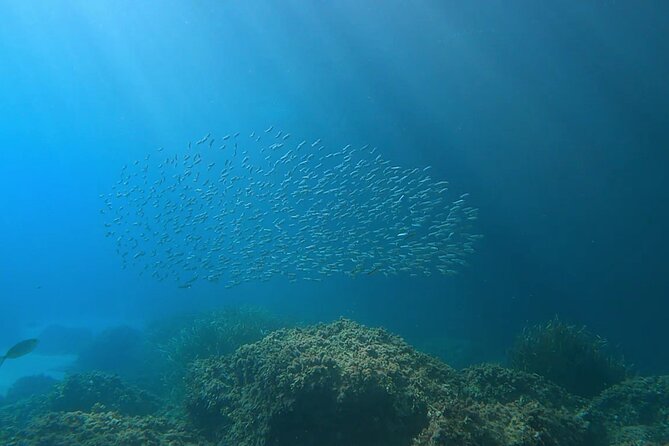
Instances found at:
x=20 y=349
x=298 y=210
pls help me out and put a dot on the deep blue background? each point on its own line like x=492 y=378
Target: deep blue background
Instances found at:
x=553 y=115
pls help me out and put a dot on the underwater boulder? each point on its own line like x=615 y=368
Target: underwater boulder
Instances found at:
x=28 y=386
x=492 y=383
x=99 y=391
x=635 y=411
x=334 y=384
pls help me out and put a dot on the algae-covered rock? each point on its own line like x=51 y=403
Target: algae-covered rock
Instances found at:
x=99 y=391
x=331 y=384
x=341 y=384
x=494 y=383
x=102 y=429
x=86 y=392
x=497 y=406
x=517 y=423
x=345 y=384
x=633 y=412
x=90 y=409
x=16 y=416
x=28 y=386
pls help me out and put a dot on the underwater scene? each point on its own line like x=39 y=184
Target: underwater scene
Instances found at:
x=334 y=223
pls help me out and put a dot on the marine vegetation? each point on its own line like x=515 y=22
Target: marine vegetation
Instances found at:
x=249 y=207
x=185 y=339
x=89 y=409
x=343 y=383
x=16 y=417
x=568 y=355
x=340 y=384
x=216 y=333
x=103 y=429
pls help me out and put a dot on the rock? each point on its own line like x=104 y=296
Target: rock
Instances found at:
x=635 y=411
x=99 y=391
x=102 y=429
x=345 y=384
x=331 y=384
x=28 y=386
x=494 y=383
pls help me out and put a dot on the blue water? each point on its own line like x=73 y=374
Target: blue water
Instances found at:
x=552 y=115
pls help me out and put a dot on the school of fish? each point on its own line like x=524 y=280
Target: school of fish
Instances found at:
x=250 y=207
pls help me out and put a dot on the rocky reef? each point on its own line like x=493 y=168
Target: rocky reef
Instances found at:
x=103 y=429
x=343 y=383
x=92 y=409
x=340 y=384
